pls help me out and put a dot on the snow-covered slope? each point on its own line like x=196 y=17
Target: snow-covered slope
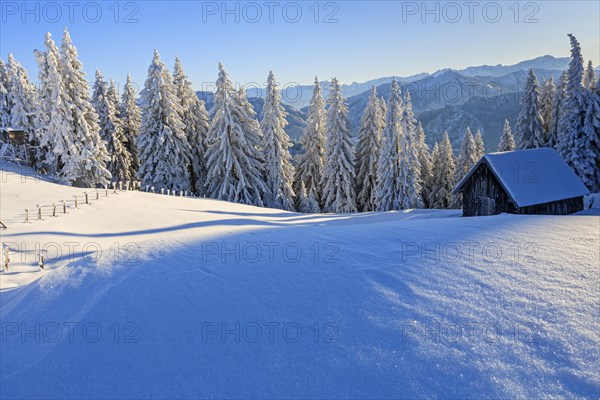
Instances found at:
x=211 y=299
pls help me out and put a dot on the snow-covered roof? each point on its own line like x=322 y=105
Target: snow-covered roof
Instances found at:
x=534 y=176
x=11 y=129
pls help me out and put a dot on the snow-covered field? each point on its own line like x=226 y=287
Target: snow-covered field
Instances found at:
x=152 y=296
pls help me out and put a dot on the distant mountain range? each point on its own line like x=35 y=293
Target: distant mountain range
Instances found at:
x=480 y=97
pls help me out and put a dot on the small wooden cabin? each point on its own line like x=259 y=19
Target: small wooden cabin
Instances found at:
x=14 y=146
x=535 y=181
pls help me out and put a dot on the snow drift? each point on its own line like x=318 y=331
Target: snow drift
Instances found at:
x=205 y=298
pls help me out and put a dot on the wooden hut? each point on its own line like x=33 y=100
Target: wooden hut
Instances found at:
x=14 y=146
x=535 y=181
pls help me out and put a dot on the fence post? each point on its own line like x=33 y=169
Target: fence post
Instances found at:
x=41 y=261
x=97 y=194
x=6 y=254
x=121 y=185
x=86 y=198
x=39 y=211
x=75 y=201
x=54 y=209
x=105 y=190
x=26 y=215
x=64 y=206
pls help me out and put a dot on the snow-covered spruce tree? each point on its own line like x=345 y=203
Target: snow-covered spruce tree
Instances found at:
x=591 y=137
x=467 y=156
x=466 y=159
x=338 y=173
x=23 y=98
x=308 y=204
x=131 y=118
x=367 y=153
x=275 y=146
x=557 y=111
x=85 y=154
x=410 y=167
x=597 y=126
x=576 y=144
x=309 y=169
x=389 y=185
x=195 y=118
x=479 y=145
x=235 y=165
x=443 y=174
x=125 y=157
x=507 y=141
x=530 y=130
x=52 y=113
x=165 y=153
x=4 y=100
x=383 y=106
x=426 y=166
x=106 y=103
x=547 y=95
x=113 y=95
x=589 y=77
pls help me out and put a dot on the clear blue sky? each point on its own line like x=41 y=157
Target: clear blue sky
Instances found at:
x=361 y=40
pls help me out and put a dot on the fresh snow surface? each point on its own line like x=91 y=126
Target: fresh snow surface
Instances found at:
x=193 y=304
x=534 y=176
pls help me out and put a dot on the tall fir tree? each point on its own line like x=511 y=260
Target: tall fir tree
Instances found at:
x=105 y=101
x=235 y=165
x=548 y=92
x=479 y=145
x=4 y=100
x=338 y=173
x=367 y=153
x=275 y=145
x=53 y=109
x=24 y=100
x=589 y=77
x=467 y=158
x=425 y=161
x=165 y=153
x=529 y=132
x=307 y=203
x=253 y=132
x=591 y=137
x=557 y=111
x=576 y=144
x=507 y=141
x=131 y=117
x=195 y=119
x=410 y=167
x=383 y=106
x=309 y=170
x=389 y=185
x=85 y=155
x=443 y=174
